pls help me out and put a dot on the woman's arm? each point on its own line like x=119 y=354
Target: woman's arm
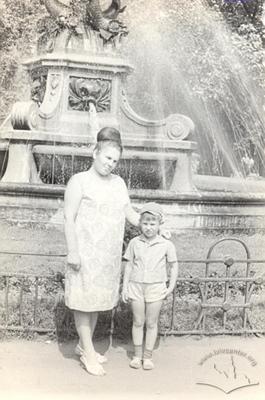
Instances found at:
x=126 y=278
x=72 y=200
x=132 y=216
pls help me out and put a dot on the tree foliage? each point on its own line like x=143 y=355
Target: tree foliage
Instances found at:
x=18 y=21
x=240 y=12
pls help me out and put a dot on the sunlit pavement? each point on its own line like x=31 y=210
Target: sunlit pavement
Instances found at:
x=185 y=368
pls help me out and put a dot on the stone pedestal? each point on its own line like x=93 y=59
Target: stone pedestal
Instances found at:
x=75 y=95
x=21 y=167
x=71 y=88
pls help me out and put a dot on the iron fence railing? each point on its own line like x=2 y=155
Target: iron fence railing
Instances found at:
x=218 y=300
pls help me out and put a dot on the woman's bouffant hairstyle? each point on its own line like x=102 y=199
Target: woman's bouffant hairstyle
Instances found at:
x=109 y=136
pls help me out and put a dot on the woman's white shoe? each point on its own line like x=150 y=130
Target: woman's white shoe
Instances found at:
x=79 y=352
x=92 y=368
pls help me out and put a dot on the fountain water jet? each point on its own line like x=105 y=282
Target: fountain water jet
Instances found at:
x=202 y=69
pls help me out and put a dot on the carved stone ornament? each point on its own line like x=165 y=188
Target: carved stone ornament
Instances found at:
x=24 y=115
x=83 y=91
x=178 y=126
x=53 y=95
x=38 y=85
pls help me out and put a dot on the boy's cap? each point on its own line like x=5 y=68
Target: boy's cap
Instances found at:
x=152 y=208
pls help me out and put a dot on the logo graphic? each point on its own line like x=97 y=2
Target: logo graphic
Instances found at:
x=228 y=370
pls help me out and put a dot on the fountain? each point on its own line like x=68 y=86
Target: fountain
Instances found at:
x=78 y=85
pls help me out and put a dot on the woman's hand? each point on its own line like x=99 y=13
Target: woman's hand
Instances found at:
x=131 y=215
x=74 y=262
x=165 y=233
x=124 y=295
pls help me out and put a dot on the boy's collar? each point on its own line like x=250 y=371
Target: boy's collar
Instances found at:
x=156 y=239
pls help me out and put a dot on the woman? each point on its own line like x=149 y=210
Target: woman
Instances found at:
x=96 y=204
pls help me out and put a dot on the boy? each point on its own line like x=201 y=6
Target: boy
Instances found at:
x=144 y=282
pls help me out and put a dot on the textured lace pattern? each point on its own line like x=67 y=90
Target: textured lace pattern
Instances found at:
x=99 y=229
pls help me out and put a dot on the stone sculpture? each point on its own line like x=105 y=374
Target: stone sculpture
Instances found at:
x=79 y=19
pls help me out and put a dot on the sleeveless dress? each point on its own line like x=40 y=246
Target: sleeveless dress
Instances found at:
x=99 y=228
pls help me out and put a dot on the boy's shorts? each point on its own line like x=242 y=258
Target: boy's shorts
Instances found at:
x=148 y=292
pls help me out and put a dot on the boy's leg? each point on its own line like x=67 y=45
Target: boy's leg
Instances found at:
x=138 y=310
x=152 y=315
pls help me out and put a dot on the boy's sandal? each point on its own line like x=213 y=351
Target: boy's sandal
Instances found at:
x=136 y=363
x=93 y=369
x=148 y=364
x=79 y=352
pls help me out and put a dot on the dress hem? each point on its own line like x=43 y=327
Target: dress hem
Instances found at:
x=92 y=309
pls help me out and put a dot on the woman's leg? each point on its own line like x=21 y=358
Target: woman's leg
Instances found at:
x=84 y=323
x=152 y=315
x=84 y=327
x=92 y=316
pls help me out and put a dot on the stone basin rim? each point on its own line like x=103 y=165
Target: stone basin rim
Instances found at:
x=42 y=137
x=164 y=196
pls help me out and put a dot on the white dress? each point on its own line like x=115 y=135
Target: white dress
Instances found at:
x=99 y=230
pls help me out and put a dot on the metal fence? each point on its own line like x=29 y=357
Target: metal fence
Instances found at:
x=225 y=302
x=218 y=298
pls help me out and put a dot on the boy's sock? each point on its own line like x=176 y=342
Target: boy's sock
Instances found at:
x=138 y=352
x=147 y=354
